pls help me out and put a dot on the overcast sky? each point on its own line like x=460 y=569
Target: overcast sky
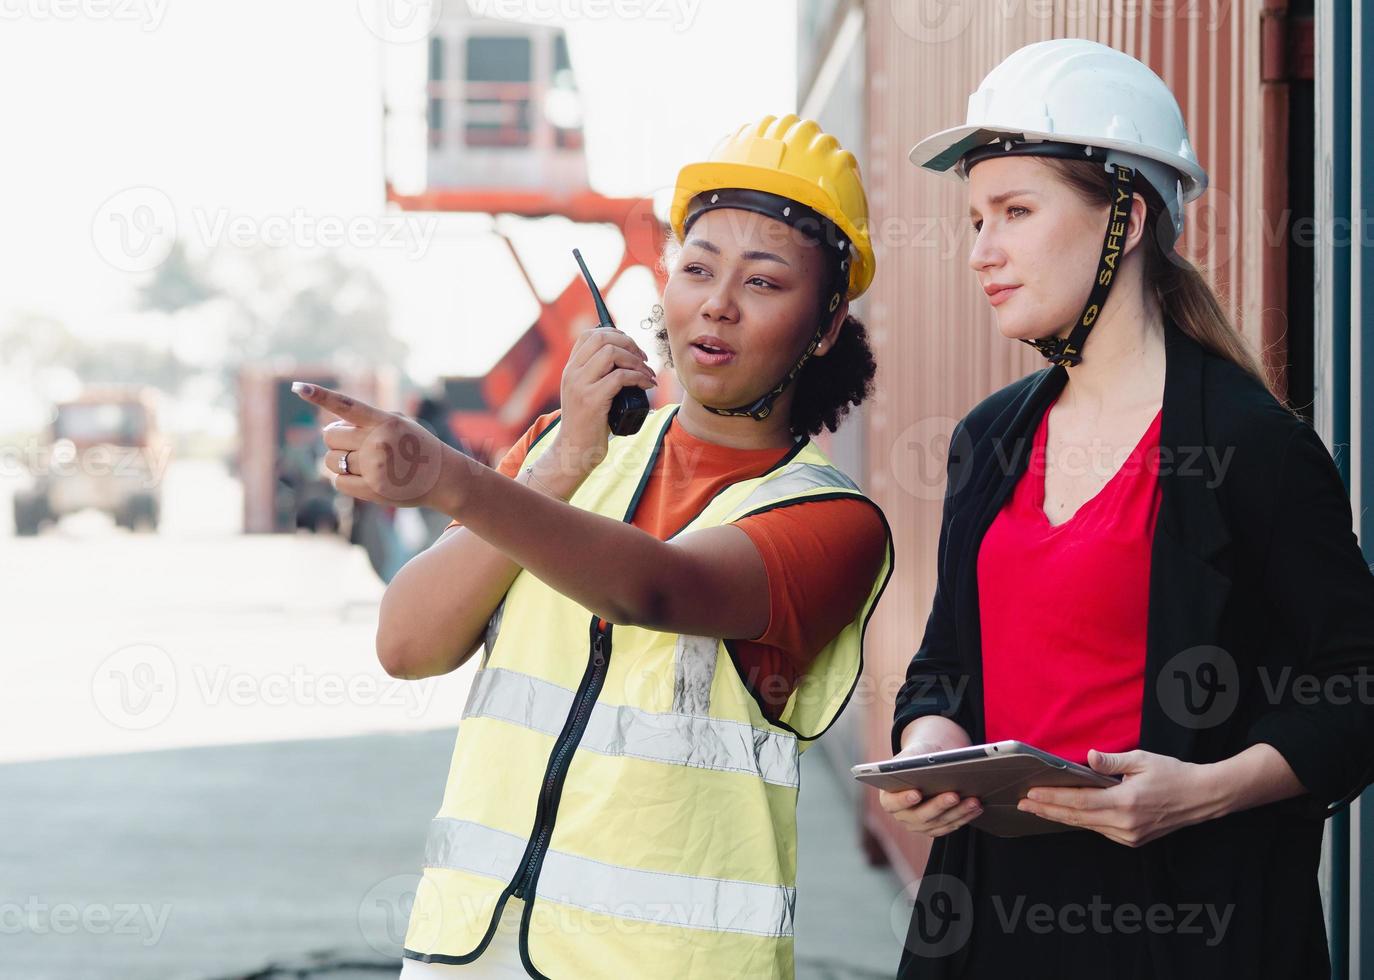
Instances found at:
x=229 y=113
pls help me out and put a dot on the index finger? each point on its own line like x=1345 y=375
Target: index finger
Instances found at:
x=598 y=337
x=896 y=802
x=1079 y=798
x=345 y=407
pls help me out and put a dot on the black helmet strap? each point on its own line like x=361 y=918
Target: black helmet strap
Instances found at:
x=1069 y=351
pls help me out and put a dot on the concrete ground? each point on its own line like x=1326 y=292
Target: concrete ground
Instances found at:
x=294 y=859
x=205 y=774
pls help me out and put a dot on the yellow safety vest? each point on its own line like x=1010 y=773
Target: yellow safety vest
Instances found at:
x=625 y=782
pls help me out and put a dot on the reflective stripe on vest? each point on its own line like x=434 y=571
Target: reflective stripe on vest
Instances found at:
x=630 y=893
x=647 y=786
x=795 y=479
x=618 y=729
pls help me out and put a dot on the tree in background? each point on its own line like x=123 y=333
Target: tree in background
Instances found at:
x=312 y=308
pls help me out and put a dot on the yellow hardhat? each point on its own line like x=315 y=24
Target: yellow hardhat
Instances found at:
x=792 y=158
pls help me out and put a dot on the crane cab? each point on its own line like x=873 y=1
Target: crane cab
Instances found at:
x=502 y=108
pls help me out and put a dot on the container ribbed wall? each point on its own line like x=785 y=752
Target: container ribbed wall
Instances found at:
x=936 y=341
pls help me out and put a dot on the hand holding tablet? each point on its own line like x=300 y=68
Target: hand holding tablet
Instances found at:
x=997 y=774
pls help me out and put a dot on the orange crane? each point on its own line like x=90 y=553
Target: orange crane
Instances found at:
x=489 y=413
x=500 y=117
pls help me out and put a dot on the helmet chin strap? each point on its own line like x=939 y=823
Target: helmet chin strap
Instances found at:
x=762 y=407
x=1069 y=351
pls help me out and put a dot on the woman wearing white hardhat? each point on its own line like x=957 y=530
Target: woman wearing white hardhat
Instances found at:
x=1145 y=566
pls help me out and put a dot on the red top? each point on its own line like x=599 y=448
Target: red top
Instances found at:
x=1063 y=609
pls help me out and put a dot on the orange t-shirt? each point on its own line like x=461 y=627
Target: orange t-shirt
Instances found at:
x=821 y=556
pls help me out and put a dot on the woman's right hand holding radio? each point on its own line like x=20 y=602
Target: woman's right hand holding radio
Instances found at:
x=603 y=360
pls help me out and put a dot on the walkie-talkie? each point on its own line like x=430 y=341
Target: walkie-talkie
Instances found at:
x=630 y=405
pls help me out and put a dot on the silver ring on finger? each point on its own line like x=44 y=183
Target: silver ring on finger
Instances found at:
x=343 y=463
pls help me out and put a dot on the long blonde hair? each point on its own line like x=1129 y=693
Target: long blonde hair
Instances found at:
x=1180 y=288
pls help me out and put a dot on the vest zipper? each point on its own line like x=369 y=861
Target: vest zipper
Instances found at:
x=583 y=700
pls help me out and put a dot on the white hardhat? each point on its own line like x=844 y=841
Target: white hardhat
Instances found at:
x=1077 y=93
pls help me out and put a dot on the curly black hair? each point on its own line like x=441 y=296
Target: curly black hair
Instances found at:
x=827 y=386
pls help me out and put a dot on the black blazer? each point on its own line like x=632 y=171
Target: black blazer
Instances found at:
x=1260 y=629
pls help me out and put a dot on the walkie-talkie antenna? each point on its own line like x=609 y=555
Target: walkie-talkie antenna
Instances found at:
x=630 y=406
x=601 y=311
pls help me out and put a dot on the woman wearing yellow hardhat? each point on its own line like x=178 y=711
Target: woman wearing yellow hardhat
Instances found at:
x=1146 y=566
x=669 y=617
x=808 y=188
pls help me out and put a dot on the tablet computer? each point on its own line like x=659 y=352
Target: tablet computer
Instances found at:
x=998 y=774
